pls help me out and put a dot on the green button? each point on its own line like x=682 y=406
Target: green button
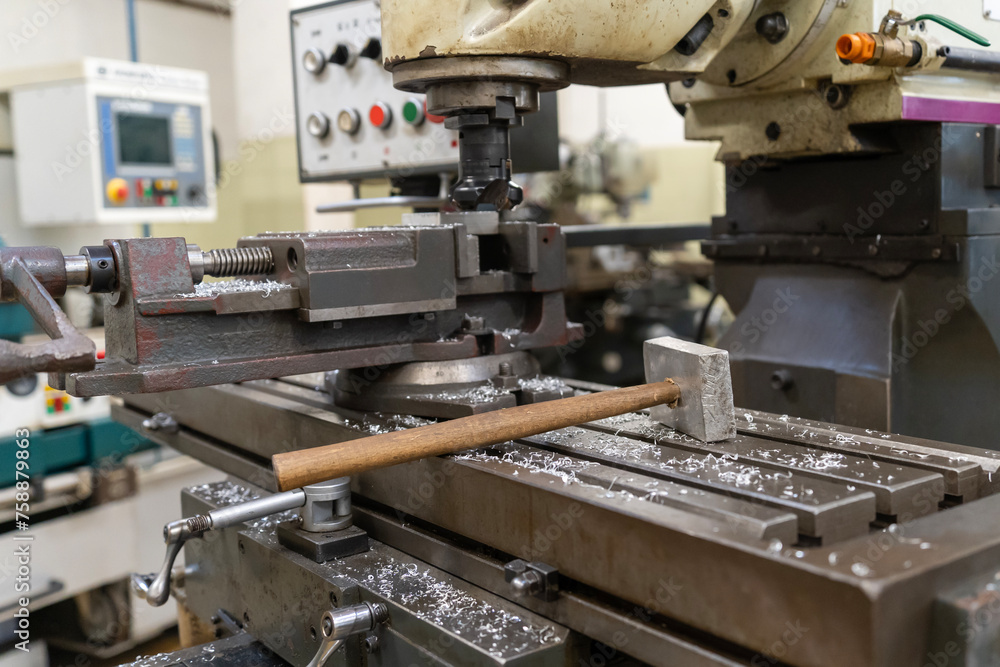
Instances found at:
x=410 y=112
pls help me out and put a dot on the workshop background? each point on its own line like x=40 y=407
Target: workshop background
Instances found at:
x=244 y=47
x=374 y=375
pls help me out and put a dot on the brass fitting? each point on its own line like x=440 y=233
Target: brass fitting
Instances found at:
x=878 y=50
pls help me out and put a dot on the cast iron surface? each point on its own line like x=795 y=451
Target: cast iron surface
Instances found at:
x=791 y=515
x=871 y=305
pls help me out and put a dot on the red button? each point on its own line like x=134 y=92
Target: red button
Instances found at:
x=100 y=354
x=380 y=116
x=431 y=117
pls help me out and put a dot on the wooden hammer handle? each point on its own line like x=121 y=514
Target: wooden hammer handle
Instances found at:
x=319 y=464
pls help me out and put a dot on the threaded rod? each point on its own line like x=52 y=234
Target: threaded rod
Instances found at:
x=232 y=262
x=380 y=613
x=199 y=524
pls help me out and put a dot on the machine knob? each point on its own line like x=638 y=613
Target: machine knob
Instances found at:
x=413 y=112
x=372 y=49
x=380 y=115
x=117 y=190
x=314 y=60
x=318 y=124
x=349 y=121
x=344 y=55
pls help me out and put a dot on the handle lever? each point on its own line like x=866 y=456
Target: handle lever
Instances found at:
x=69 y=350
x=339 y=624
x=155 y=587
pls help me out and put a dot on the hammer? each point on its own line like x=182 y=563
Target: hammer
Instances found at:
x=690 y=390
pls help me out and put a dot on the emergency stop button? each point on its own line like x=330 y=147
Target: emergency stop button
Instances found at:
x=380 y=115
x=117 y=190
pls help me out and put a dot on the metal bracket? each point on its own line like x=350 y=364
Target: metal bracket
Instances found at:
x=832 y=248
x=532 y=579
x=68 y=351
x=328 y=506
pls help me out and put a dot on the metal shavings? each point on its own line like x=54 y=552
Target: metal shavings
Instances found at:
x=379 y=423
x=722 y=467
x=202 y=290
x=809 y=460
x=534 y=461
x=153 y=660
x=347 y=234
x=436 y=600
x=612 y=446
x=486 y=393
x=269 y=524
x=620 y=420
x=542 y=383
x=223 y=494
x=861 y=569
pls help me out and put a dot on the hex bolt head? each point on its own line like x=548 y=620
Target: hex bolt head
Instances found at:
x=773 y=27
x=781 y=380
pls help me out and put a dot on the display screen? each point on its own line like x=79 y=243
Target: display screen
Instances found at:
x=144 y=139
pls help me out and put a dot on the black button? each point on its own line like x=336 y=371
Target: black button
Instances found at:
x=373 y=49
x=341 y=55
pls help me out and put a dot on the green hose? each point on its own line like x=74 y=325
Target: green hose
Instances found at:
x=954 y=27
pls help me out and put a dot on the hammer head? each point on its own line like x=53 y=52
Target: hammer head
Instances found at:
x=705 y=410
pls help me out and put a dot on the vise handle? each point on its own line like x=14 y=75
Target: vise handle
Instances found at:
x=310 y=466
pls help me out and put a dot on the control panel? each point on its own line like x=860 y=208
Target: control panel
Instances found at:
x=112 y=142
x=352 y=123
x=153 y=154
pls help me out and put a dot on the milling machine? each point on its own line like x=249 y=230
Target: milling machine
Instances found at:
x=794 y=542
